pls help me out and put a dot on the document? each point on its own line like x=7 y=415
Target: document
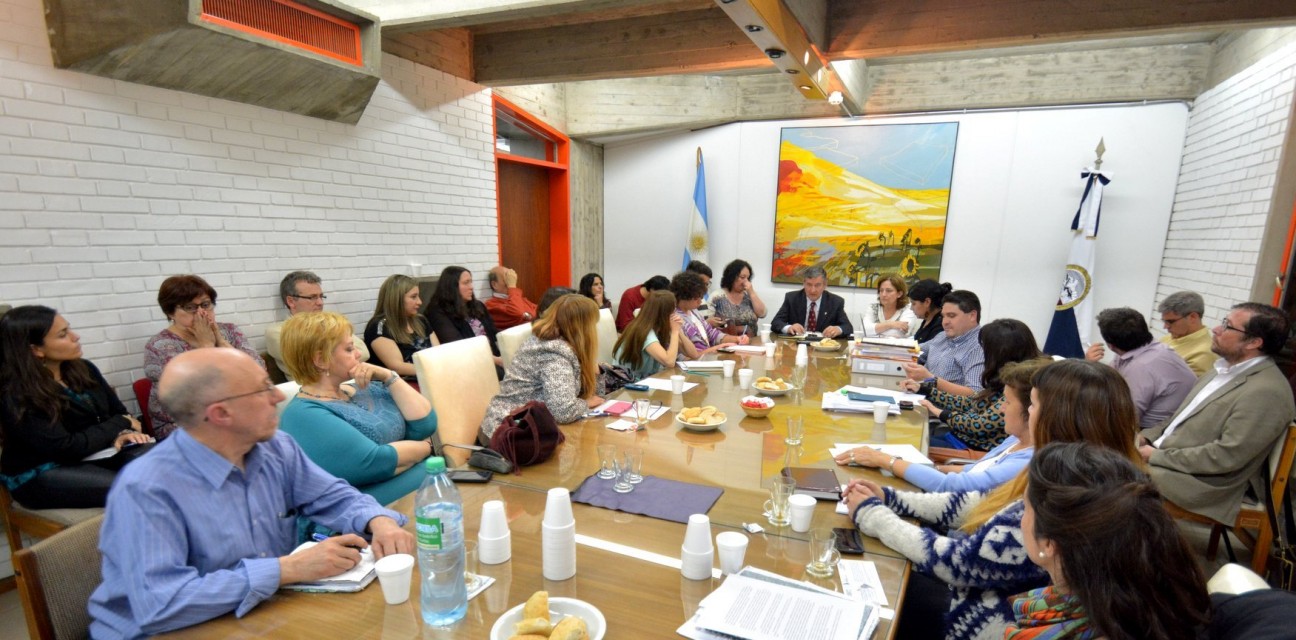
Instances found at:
x=838 y=401
x=663 y=385
x=757 y=605
x=753 y=349
x=700 y=365
x=906 y=452
x=351 y=581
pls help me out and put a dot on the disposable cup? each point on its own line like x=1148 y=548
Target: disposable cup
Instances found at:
x=394 y=573
x=494 y=523
x=745 y=378
x=731 y=546
x=769 y=349
x=697 y=537
x=765 y=336
x=802 y=508
x=677 y=384
x=728 y=367
x=881 y=409
x=495 y=550
x=558 y=509
x=695 y=565
x=859 y=335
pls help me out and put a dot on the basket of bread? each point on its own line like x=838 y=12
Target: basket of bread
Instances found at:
x=768 y=386
x=542 y=617
x=756 y=406
x=827 y=344
x=706 y=418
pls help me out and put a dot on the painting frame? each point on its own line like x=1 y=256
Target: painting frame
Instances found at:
x=863 y=201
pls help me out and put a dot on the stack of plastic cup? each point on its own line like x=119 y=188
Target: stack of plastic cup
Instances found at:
x=494 y=540
x=697 y=555
x=558 y=536
x=802 y=355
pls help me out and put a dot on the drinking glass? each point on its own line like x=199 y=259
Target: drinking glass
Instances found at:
x=798 y=376
x=607 y=461
x=795 y=430
x=776 y=507
x=634 y=457
x=823 y=553
x=472 y=579
x=624 y=467
x=643 y=408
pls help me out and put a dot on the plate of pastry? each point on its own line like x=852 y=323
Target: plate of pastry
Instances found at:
x=554 y=618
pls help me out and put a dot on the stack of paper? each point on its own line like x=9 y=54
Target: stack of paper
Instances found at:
x=838 y=400
x=895 y=349
x=700 y=365
x=759 y=605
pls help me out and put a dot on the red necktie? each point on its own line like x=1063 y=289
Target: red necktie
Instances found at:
x=811 y=325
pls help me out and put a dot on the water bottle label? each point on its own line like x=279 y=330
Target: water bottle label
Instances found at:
x=429 y=532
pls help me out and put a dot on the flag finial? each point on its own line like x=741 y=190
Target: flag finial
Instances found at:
x=1100 y=150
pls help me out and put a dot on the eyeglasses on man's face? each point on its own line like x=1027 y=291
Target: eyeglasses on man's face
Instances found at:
x=269 y=387
x=1224 y=324
x=191 y=307
x=1168 y=322
x=319 y=297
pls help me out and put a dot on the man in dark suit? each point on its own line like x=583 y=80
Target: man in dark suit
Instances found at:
x=1211 y=450
x=829 y=311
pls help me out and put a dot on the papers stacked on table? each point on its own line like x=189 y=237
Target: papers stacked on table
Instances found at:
x=700 y=365
x=838 y=400
x=759 y=605
x=895 y=349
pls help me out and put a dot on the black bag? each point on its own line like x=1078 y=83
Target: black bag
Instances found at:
x=612 y=378
x=528 y=436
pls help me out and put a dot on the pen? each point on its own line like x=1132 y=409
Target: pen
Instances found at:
x=698 y=373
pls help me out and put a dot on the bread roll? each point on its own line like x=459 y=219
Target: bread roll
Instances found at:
x=537 y=606
x=538 y=626
x=529 y=636
x=570 y=628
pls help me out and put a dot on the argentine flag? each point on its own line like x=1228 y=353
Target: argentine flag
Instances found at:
x=698 y=246
x=1073 y=316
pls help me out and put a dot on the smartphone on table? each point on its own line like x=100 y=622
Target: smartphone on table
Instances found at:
x=469 y=475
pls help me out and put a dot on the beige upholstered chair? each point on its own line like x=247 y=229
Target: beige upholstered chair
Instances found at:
x=37 y=523
x=1235 y=578
x=289 y=390
x=512 y=339
x=459 y=379
x=55 y=579
x=607 y=335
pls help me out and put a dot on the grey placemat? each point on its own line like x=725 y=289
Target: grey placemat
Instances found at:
x=654 y=497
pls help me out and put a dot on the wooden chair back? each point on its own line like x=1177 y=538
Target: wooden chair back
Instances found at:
x=55 y=579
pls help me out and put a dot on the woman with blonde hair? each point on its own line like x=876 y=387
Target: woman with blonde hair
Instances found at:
x=641 y=348
x=396 y=331
x=890 y=316
x=557 y=365
x=969 y=576
x=371 y=432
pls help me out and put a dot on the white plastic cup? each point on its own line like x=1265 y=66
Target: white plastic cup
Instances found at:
x=859 y=335
x=697 y=537
x=881 y=409
x=558 y=551
x=745 y=378
x=697 y=565
x=802 y=508
x=731 y=546
x=394 y=574
x=802 y=355
x=766 y=326
x=677 y=384
x=493 y=521
x=769 y=349
x=495 y=550
x=765 y=335
x=728 y=368
x=558 y=509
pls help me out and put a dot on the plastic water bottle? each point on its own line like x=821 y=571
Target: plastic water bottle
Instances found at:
x=439 y=522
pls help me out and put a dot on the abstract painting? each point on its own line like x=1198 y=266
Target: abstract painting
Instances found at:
x=863 y=201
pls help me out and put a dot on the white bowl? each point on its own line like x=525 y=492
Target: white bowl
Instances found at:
x=773 y=392
x=700 y=427
x=559 y=608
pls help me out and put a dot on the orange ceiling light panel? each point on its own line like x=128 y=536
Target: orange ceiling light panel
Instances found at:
x=289 y=23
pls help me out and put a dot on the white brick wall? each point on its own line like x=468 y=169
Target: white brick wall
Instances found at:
x=107 y=188
x=1230 y=162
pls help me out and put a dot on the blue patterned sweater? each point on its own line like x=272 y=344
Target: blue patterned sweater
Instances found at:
x=983 y=569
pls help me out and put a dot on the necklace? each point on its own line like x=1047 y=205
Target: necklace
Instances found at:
x=343 y=397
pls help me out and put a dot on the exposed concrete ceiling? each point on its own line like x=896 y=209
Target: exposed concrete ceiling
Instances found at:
x=879 y=53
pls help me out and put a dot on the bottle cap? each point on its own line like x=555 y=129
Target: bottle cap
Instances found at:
x=435 y=464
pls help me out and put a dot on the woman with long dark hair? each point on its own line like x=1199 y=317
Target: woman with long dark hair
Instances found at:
x=591 y=286
x=641 y=348
x=1120 y=569
x=976 y=421
x=55 y=409
x=557 y=365
x=925 y=300
x=455 y=313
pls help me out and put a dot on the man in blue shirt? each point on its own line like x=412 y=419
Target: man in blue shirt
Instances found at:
x=204 y=523
x=954 y=359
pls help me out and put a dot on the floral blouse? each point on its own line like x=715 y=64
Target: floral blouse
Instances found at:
x=738 y=315
x=166 y=345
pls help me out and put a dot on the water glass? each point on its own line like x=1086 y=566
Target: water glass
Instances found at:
x=823 y=553
x=643 y=408
x=798 y=376
x=795 y=430
x=634 y=458
x=607 y=461
x=624 y=466
x=776 y=507
x=472 y=577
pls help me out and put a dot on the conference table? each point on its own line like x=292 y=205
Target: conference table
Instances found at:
x=639 y=596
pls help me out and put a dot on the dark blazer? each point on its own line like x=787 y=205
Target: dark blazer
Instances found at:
x=449 y=328
x=1206 y=465
x=83 y=429
x=831 y=312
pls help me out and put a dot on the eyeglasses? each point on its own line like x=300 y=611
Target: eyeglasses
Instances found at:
x=191 y=307
x=1169 y=322
x=319 y=297
x=269 y=386
x=1228 y=327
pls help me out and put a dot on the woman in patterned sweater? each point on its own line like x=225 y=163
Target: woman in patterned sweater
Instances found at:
x=982 y=561
x=557 y=365
x=976 y=422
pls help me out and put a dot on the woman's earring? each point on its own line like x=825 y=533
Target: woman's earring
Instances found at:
x=1041 y=555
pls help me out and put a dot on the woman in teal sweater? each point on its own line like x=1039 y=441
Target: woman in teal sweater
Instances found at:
x=372 y=432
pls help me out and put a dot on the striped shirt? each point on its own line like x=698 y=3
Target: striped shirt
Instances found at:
x=959 y=360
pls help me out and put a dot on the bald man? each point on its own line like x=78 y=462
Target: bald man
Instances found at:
x=506 y=304
x=204 y=523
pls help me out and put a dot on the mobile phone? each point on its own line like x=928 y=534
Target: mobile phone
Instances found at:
x=636 y=387
x=469 y=475
x=848 y=541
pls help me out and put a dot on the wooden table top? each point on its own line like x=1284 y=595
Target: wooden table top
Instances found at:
x=639 y=598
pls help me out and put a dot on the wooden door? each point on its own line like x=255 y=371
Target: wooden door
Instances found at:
x=524 y=225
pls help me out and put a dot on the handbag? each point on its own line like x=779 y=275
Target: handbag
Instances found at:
x=612 y=378
x=528 y=436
